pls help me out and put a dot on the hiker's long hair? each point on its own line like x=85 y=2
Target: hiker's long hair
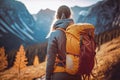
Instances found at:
x=63 y=12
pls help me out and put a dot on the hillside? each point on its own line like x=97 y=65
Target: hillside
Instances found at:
x=28 y=73
x=108 y=61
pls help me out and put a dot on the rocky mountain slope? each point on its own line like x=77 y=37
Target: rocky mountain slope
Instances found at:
x=16 y=24
x=43 y=21
x=102 y=15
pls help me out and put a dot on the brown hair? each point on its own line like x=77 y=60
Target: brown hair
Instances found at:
x=63 y=10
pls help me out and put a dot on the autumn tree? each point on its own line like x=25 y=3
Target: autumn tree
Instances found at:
x=36 y=61
x=3 y=59
x=21 y=60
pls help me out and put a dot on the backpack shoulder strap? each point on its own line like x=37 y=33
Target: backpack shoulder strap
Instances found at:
x=61 y=29
x=66 y=32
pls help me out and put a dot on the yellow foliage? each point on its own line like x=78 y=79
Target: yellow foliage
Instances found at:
x=3 y=59
x=36 y=61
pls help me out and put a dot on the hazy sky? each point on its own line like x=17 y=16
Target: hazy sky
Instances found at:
x=35 y=5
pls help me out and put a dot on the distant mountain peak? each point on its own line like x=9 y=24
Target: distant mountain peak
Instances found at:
x=47 y=10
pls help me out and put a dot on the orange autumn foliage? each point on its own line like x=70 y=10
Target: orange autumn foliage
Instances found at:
x=36 y=61
x=21 y=60
x=3 y=59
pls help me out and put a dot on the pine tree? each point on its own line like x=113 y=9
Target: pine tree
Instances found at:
x=21 y=60
x=3 y=59
x=36 y=61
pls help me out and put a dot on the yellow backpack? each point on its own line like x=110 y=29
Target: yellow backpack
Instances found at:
x=80 y=45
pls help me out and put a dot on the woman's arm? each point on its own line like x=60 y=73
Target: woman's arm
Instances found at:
x=56 y=43
x=51 y=55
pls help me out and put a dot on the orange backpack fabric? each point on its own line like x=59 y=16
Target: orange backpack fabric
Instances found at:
x=80 y=47
x=73 y=34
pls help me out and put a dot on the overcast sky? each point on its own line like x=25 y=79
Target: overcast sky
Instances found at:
x=35 y=5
